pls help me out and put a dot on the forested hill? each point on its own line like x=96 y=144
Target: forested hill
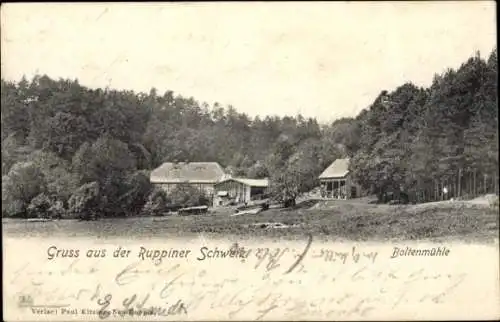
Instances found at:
x=416 y=138
x=67 y=145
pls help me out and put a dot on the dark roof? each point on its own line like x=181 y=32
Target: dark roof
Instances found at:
x=188 y=172
x=338 y=169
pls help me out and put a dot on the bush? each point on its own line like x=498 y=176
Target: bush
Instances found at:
x=156 y=203
x=14 y=208
x=84 y=202
x=60 y=181
x=57 y=209
x=138 y=190
x=186 y=195
x=23 y=183
x=39 y=206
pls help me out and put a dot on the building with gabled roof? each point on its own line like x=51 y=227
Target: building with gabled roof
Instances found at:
x=203 y=175
x=240 y=191
x=336 y=182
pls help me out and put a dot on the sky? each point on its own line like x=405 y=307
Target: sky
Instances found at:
x=323 y=60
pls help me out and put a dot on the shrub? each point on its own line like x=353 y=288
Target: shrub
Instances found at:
x=39 y=206
x=84 y=202
x=60 y=181
x=186 y=195
x=156 y=203
x=57 y=209
x=23 y=182
x=14 y=208
x=138 y=191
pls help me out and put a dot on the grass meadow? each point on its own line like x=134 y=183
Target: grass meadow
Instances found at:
x=339 y=220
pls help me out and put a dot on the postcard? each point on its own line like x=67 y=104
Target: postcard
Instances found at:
x=241 y=161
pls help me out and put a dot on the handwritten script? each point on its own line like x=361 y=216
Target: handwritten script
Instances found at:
x=307 y=281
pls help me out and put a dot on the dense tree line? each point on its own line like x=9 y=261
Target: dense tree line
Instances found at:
x=80 y=151
x=413 y=137
x=69 y=150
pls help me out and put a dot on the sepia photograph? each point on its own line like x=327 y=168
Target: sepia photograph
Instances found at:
x=250 y=161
